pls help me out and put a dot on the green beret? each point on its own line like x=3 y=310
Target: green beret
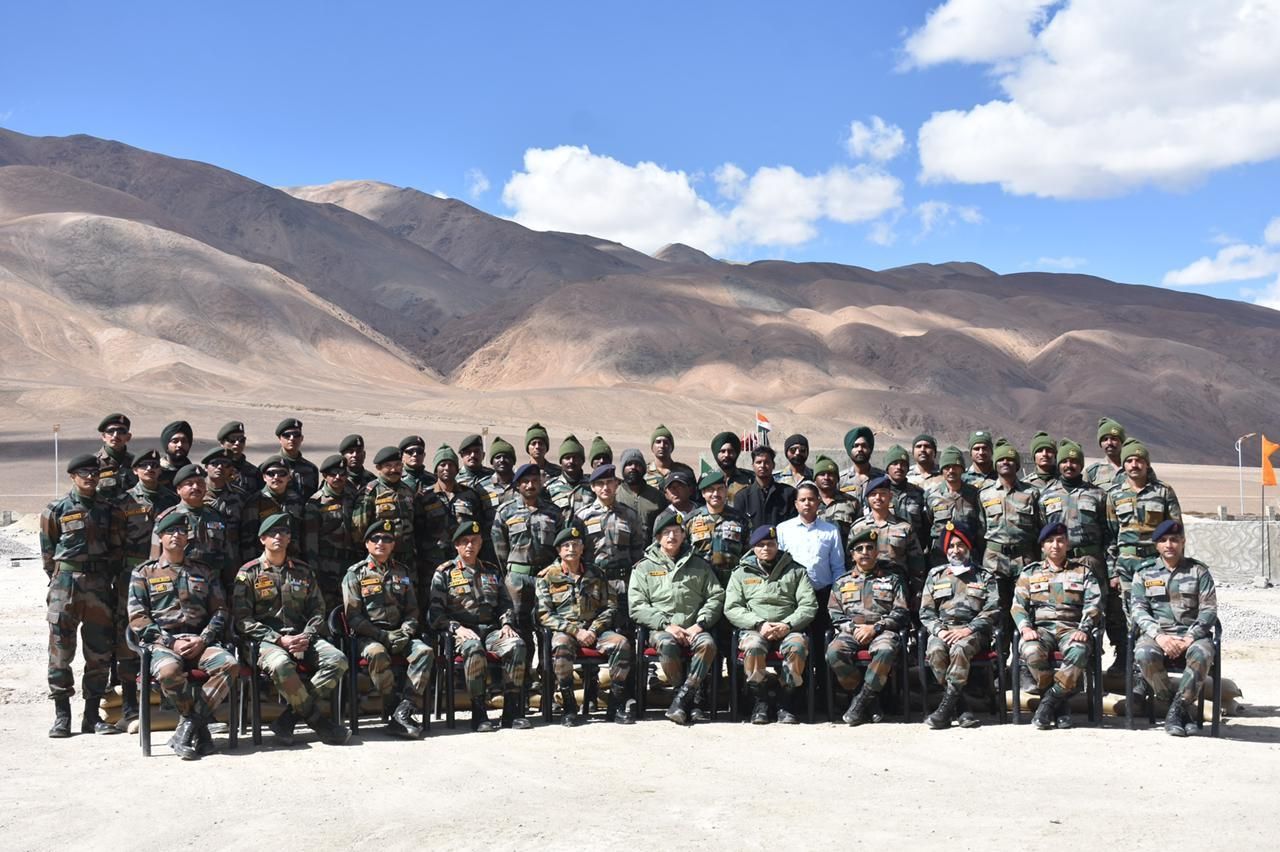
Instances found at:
x=1107 y=426
x=115 y=418
x=949 y=456
x=229 y=429
x=825 y=465
x=662 y=432
x=1134 y=447
x=172 y=520
x=1041 y=441
x=82 y=461
x=469 y=442
x=896 y=453
x=271 y=522
x=927 y=438
x=570 y=447
x=537 y=430
x=444 y=454
x=1069 y=449
x=148 y=456
x=177 y=427
x=854 y=434
x=412 y=441
x=726 y=437
x=351 y=442
x=981 y=436
x=187 y=471
x=286 y=424
x=667 y=519
x=867 y=533
x=333 y=462
x=466 y=529
x=711 y=478
x=1005 y=450
x=218 y=455
x=569 y=533
x=386 y=454
x=386 y=525
x=500 y=447
x=599 y=447
x=273 y=462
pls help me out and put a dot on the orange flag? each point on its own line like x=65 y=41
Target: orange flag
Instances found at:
x=1268 y=472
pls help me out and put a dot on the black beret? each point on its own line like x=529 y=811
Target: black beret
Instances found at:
x=471 y=441
x=112 y=419
x=189 y=471
x=148 y=456
x=272 y=462
x=287 y=424
x=573 y=532
x=524 y=470
x=229 y=428
x=333 y=462
x=765 y=533
x=1055 y=528
x=386 y=525
x=874 y=484
x=466 y=529
x=218 y=455
x=172 y=520
x=412 y=441
x=84 y=460
x=271 y=522
x=386 y=454
x=604 y=471
x=351 y=442
x=1168 y=527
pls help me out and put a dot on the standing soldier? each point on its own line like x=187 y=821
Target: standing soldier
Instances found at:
x=277 y=604
x=537 y=443
x=468 y=601
x=580 y=606
x=1044 y=454
x=207 y=540
x=663 y=444
x=907 y=498
x=644 y=499
x=569 y=490
x=353 y=455
x=1055 y=606
x=499 y=486
x=717 y=531
x=835 y=506
x=461 y=503
x=524 y=530
x=982 y=469
x=82 y=547
x=1110 y=471
x=895 y=539
x=473 y=468
x=612 y=539
x=952 y=500
x=959 y=608
x=1011 y=522
x=765 y=502
x=859 y=443
x=413 y=452
x=226 y=498
x=176 y=607
x=382 y=614
x=925 y=471
x=726 y=447
x=796 y=470
x=868 y=611
x=232 y=439
x=600 y=452
x=675 y=594
x=1175 y=607
x=304 y=475
x=177 y=438
x=328 y=531
x=276 y=497
x=387 y=498
x=771 y=600
x=115 y=462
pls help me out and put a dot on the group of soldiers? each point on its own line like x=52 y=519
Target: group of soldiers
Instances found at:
x=469 y=559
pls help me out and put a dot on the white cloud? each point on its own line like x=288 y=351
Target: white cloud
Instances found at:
x=1272 y=232
x=1107 y=95
x=646 y=206
x=937 y=214
x=1237 y=262
x=477 y=183
x=878 y=141
x=1267 y=297
x=440 y=193
x=1066 y=262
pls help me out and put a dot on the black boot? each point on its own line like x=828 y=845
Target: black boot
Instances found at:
x=940 y=719
x=402 y=724
x=1173 y=719
x=128 y=705
x=570 y=705
x=61 y=719
x=1062 y=710
x=1139 y=697
x=331 y=732
x=699 y=712
x=202 y=738
x=1190 y=718
x=1027 y=681
x=283 y=726
x=1043 y=719
x=678 y=712
x=857 y=712
x=480 y=718
x=183 y=741
x=760 y=707
x=92 y=722
x=621 y=710
x=966 y=719
x=513 y=715
x=788 y=707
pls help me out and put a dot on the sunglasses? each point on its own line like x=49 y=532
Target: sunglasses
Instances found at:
x=414 y=451
x=279 y=532
x=116 y=430
x=291 y=435
x=275 y=474
x=233 y=439
x=865 y=548
x=87 y=473
x=382 y=539
x=147 y=465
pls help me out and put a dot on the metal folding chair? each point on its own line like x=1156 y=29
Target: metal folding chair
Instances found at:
x=990 y=660
x=773 y=658
x=1093 y=675
x=863 y=658
x=196 y=675
x=646 y=656
x=1175 y=667
x=339 y=629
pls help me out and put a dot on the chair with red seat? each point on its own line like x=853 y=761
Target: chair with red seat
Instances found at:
x=589 y=660
x=195 y=675
x=1093 y=675
x=773 y=658
x=898 y=677
x=258 y=680
x=339 y=629
x=990 y=660
x=452 y=670
x=646 y=656
x=1176 y=667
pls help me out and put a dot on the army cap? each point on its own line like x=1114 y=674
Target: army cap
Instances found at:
x=443 y=454
x=216 y=456
x=569 y=533
x=876 y=484
x=824 y=464
x=174 y=521
x=958 y=530
x=272 y=522
x=571 y=446
x=768 y=532
x=351 y=442
x=1005 y=450
x=386 y=454
x=603 y=472
x=470 y=441
x=1069 y=449
x=726 y=438
x=114 y=419
x=84 y=461
x=1167 y=527
x=524 y=470
x=662 y=432
x=599 y=447
x=681 y=475
x=500 y=447
x=667 y=519
x=275 y=462
x=412 y=441
x=287 y=424
x=537 y=430
x=149 y=457
x=858 y=432
x=177 y=427
x=1134 y=447
x=926 y=438
x=466 y=529
x=189 y=471
x=1107 y=426
x=896 y=453
x=867 y=533
x=229 y=429
x=1050 y=530
x=384 y=527
x=710 y=479
x=333 y=462
x=981 y=436
x=1041 y=441
x=950 y=456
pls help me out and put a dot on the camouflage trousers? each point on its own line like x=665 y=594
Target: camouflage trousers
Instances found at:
x=702 y=653
x=325 y=663
x=950 y=663
x=523 y=589
x=329 y=579
x=189 y=697
x=128 y=663
x=615 y=646
x=510 y=651
x=80 y=602
x=842 y=657
x=1037 y=656
x=794 y=648
x=416 y=662
x=1151 y=661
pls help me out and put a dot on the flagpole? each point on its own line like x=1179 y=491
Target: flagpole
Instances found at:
x=1240 y=466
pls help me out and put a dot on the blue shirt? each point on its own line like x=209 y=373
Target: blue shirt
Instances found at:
x=816 y=546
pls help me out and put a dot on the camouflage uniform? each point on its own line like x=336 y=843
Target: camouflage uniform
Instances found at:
x=1082 y=508
x=682 y=591
x=82 y=547
x=844 y=510
x=955 y=597
x=140 y=508
x=248 y=478
x=567 y=604
x=896 y=541
x=924 y=481
x=1011 y=521
x=788 y=476
x=262 y=505
x=115 y=473
x=877 y=599
x=495 y=493
x=228 y=501
x=1105 y=475
x=656 y=478
x=166 y=601
x=207 y=540
x=781 y=592
x=720 y=539
x=1131 y=518
x=522 y=538
x=570 y=497
x=1040 y=479
x=852 y=482
x=431 y=528
x=304 y=476
x=473 y=478
x=735 y=481
x=379 y=600
x=979 y=480
x=1056 y=602
x=474 y=597
x=358 y=479
x=909 y=504
x=270 y=602
x=327 y=540
x=962 y=507
x=1180 y=602
x=382 y=501
x=462 y=505
x=614 y=543
x=169 y=467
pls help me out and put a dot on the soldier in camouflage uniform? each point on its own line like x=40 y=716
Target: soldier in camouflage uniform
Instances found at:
x=387 y=498
x=982 y=468
x=1109 y=472
x=835 y=506
x=499 y=486
x=959 y=610
x=276 y=497
x=231 y=437
x=523 y=531
x=176 y=607
x=115 y=462
x=924 y=472
x=381 y=609
x=600 y=452
x=328 y=531
x=177 y=438
x=952 y=500
x=771 y=600
x=642 y=498
x=352 y=451
x=611 y=533
x=1175 y=608
x=1056 y=604
x=82 y=547
x=413 y=453
x=1044 y=455
x=726 y=447
x=895 y=539
x=717 y=531
x=461 y=503
x=226 y=498
x=1011 y=522
x=908 y=499
x=207 y=541
x=674 y=593
x=304 y=476
x=796 y=470
x=859 y=443
x=537 y=443
x=662 y=443
x=276 y=602
x=473 y=469
x=430 y=515
x=469 y=601
x=868 y=611
x=569 y=490
x=580 y=607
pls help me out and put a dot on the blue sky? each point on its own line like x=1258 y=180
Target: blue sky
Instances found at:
x=1021 y=134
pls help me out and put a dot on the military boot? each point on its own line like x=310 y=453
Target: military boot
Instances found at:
x=570 y=705
x=479 y=717
x=92 y=721
x=788 y=707
x=1062 y=711
x=1043 y=719
x=857 y=712
x=1139 y=696
x=940 y=719
x=513 y=711
x=1027 y=681
x=183 y=741
x=1190 y=718
x=678 y=712
x=128 y=705
x=331 y=732
x=203 y=739
x=966 y=718
x=760 y=707
x=401 y=722
x=61 y=719
x=699 y=712
x=621 y=710
x=283 y=726
x=1173 y=719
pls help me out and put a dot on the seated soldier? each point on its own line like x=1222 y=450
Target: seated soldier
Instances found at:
x=675 y=594
x=469 y=600
x=177 y=609
x=868 y=610
x=771 y=600
x=1055 y=604
x=381 y=607
x=1175 y=607
x=579 y=605
x=277 y=603
x=959 y=608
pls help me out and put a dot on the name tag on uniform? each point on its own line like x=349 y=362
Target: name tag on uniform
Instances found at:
x=1124 y=504
x=731 y=530
x=850 y=587
x=135 y=511
x=384 y=499
x=976 y=589
x=1039 y=587
x=1052 y=505
x=594 y=525
x=1155 y=587
x=558 y=588
x=515 y=526
x=373 y=588
x=987 y=504
x=657 y=573
x=942 y=590
x=752 y=581
x=333 y=507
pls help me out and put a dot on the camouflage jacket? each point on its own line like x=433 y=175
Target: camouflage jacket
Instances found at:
x=523 y=535
x=844 y=510
x=614 y=539
x=1066 y=597
x=262 y=505
x=909 y=505
x=304 y=476
x=83 y=533
x=682 y=591
x=1175 y=602
x=1039 y=479
x=248 y=478
x=963 y=596
x=327 y=532
x=735 y=481
x=570 y=497
x=382 y=501
x=852 y=482
x=377 y=598
x=473 y=478
x=780 y=593
x=115 y=473
x=962 y=507
x=896 y=541
x=720 y=539
x=140 y=508
x=788 y=475
x=358 y=479
x=657 y=478
x=1132 y=517
x=228 y=502
x=878 y=599
x=270 y=601
x=495 y=493
x=571 y=603
x=1083 y=508
x=206 y=538
x=1011 y=522
x=168 y=600
x=463 y=505
x=470 y=596
x=979 y=480
x=923 y=480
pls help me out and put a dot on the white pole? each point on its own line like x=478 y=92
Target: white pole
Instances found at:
x=1240 y=466
x=56 y=480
